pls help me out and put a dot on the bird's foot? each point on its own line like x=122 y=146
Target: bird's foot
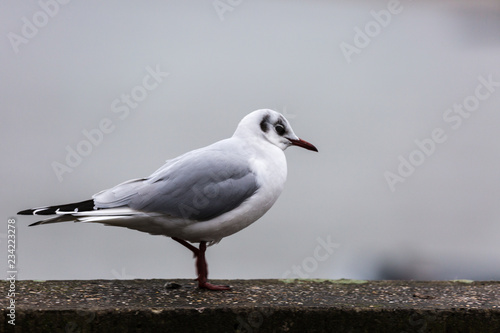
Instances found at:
x=209 y=286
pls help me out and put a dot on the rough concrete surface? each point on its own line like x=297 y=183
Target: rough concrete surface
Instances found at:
x=253 y=306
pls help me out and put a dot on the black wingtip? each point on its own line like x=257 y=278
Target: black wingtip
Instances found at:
x=81 y=206
x=36 y=223
x=26 y=212
x=38 y=211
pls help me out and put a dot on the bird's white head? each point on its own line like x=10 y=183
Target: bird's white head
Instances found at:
x=271 y=126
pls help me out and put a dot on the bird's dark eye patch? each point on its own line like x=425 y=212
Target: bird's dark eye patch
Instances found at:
x=280 y=129
x=263 y=123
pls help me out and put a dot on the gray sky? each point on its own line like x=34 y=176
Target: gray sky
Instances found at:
x=401 y=99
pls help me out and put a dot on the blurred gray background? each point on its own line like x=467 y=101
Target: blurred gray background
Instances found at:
x=362 y=80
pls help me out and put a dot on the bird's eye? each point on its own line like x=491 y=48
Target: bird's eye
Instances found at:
x=280 y=129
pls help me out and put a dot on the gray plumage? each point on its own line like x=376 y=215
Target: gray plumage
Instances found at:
x=197 y=186
x=201 y=196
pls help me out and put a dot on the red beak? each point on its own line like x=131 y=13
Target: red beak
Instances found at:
x=303 y=144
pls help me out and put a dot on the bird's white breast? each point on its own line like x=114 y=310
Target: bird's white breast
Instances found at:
x=265 y=160
x=269 y=165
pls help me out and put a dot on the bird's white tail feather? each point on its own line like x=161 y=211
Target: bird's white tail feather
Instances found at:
x=100 y=215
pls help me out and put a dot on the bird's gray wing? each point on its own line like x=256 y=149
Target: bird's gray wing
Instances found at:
x=199 y=185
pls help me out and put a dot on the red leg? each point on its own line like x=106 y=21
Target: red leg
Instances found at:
x=201 y=265
x=186 y=244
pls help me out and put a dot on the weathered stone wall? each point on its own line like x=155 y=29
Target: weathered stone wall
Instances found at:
x=252 y=306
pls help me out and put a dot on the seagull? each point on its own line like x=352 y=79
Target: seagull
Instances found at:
x=201 y=196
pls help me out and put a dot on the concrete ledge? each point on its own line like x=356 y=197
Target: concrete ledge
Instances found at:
x=253 y=306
